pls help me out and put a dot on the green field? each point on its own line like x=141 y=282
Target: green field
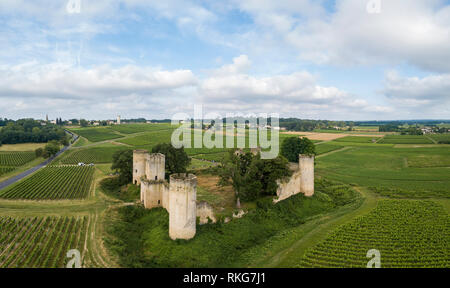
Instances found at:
x=408 y=234
x=91 y=155
x=357 y=139
x=326 y=147
x=97 y=134
x=405 y=139
x=136 y=128
x=40 y=242
x=14 y=159
x=440 y=137
x=402 y=172
x=53 y=183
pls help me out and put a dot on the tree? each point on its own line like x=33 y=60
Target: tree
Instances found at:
x=251 y=176
x=39 y=152
x=123 y=164
x=50 y=149
x=84 y=123
x=177 y=160
x=293 y=146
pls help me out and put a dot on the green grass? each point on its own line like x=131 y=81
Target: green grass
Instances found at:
x=326 y=147
x=408 y=234
x=149 y=139
x=40 y=242
x=140 y=237
x=52 y=183
x=405 y=139
x=97 y=134
x=405 y=172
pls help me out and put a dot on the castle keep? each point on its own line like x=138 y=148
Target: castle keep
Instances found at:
x=179 y=196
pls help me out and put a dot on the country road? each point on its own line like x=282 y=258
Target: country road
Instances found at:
x=22 y=175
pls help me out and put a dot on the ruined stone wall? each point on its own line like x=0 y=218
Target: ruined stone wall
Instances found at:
x=306 y=164
x=153 y=193
x=182 y=206
x=205 y=212
x=288 y=187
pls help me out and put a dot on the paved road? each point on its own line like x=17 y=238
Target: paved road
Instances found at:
x=22 y=175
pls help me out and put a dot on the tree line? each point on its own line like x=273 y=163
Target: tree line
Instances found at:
x=30 y=131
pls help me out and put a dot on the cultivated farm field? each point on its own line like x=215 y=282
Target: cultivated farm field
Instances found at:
x=407 y=233
x=53 y=183
x=405 y=139
x=40 y=242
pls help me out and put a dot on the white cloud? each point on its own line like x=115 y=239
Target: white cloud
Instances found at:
x=412 y=31
x=428 y=95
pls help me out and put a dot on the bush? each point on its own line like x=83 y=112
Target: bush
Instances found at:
x=293 y=146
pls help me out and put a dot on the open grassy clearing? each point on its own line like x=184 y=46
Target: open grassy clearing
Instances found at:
x=407 y=233
x=53 y=183
x=22 y=147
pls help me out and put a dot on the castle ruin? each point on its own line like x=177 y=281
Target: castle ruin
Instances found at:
x=179 y=195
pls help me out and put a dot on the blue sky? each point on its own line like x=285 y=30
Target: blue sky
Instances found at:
x=339 y=60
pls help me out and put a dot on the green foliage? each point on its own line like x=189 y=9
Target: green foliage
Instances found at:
x=39 y=152
x=251 y=176
x=50 y=149
x=53 y=183
x=123 y=164
x=113 y=187
x=140 y=237
x=292 y=147
x=30 y=131
x=408 y=234
x=176 y=159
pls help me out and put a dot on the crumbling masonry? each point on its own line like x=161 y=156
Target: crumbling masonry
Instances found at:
x=179 y=196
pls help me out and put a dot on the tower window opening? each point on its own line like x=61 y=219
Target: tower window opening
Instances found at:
x=156 y=177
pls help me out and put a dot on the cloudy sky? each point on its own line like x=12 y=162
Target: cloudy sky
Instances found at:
x=324 y=59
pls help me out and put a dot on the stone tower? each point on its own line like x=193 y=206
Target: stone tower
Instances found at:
x=306 y=166
x=182 y=206
x=155 y=167
x=139 y=161
x=118 y=120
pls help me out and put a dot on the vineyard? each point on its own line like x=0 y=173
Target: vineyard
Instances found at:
x=97 y=134
x=405 y=139
x=407 y=233
x=4 y=170
x=40 y=242
x=15 y=159
x=70 y=182
x=136 y=128
x=91 y=155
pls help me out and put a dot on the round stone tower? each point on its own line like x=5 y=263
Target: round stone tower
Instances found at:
x=155 y=166
x=182 y=206
x=306 y=165
x=139 y=159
